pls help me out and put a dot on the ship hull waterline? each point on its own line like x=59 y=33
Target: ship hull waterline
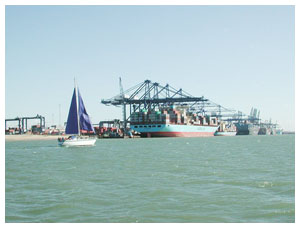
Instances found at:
x=173 y=130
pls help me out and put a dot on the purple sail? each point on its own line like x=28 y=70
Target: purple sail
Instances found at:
x=72 y=124
x=84 y=120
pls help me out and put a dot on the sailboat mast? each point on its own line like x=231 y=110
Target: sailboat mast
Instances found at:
x=77 y=108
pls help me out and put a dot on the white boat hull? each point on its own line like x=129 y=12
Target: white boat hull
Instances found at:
x=78 y=142
x=225 y=133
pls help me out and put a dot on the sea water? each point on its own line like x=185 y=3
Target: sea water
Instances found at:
x=215 y=179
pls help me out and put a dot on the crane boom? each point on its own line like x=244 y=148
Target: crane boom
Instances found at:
x=122 y=97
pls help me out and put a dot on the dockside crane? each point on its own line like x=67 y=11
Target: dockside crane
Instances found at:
x=149 y=95
x=122 y=96
x=22 y=122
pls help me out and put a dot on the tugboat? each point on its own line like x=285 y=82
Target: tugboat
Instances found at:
x=226 y=129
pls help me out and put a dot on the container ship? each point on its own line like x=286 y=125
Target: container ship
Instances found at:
x=172 y=122
x=246 y=128
x=250 y=126
x=269 y=129
x=266 y=131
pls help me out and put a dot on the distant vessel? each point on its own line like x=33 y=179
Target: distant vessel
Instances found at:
x=266 y=131
x=269 y=131
x=245 y=128
x=226 y=129
x=268 y=128
x=249 y=126
x=78 y=120
x=171 y=122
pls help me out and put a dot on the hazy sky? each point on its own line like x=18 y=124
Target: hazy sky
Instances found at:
x=238 y=56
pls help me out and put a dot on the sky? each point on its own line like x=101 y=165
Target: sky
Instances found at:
x=237 y=56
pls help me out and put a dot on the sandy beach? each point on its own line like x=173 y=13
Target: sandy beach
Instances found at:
x=30 y=137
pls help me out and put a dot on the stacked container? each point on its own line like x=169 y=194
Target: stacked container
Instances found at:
x=171 y=115
x=213 y=121
x=134 y=117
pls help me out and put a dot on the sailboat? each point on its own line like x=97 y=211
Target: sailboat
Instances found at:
x=78 y=120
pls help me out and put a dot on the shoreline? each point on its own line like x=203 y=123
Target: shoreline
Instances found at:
x=13 y=138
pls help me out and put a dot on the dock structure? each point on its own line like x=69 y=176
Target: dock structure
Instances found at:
x=145 y=100
x=150 y=95
x=23 y=122
x=110 y=129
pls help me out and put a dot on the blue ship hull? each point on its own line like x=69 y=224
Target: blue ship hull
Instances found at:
x=174 y=130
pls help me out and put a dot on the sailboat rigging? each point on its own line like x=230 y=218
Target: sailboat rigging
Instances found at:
x=78 y=120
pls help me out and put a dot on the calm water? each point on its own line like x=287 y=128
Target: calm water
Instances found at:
x=217 y=179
